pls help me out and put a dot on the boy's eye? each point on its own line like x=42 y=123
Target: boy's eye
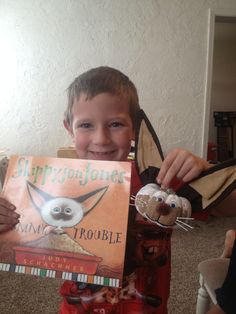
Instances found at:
x=85 y=125
x=116 y=124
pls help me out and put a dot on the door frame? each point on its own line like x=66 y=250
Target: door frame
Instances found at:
x=212 y=15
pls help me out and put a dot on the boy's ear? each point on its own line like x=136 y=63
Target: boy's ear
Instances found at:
x=68 y=127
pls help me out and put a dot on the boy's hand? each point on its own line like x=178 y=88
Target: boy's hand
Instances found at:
x=8 y=217
x=182 y=165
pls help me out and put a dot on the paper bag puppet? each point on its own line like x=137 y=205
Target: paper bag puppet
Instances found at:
x=167 y=208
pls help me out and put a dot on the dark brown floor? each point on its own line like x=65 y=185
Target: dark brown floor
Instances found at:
x=25 y=294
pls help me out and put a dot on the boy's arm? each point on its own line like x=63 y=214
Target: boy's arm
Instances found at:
x=8 y=217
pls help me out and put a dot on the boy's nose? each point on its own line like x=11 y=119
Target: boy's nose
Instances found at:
x=101 y=136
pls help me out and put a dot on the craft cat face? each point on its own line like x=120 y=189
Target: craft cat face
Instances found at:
x=161 y=207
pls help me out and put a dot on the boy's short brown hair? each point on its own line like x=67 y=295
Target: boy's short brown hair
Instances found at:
x=102 y=80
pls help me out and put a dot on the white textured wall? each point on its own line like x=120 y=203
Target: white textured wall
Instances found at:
x=160 y=45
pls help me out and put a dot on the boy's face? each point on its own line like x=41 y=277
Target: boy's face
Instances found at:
x=102 y=128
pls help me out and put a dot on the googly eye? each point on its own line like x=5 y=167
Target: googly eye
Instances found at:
x=173 y=201
x=160 y=196
x=68 y=211
x=56 y=210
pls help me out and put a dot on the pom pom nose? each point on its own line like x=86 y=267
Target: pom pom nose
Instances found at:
x=163 y=209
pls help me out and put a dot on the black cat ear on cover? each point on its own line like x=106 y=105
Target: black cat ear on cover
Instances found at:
x=148 y=152
x=211 y=187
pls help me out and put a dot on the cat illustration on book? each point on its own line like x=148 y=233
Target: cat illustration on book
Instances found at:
x=63 y=212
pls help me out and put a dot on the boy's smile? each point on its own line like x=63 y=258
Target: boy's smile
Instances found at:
x=102 y=128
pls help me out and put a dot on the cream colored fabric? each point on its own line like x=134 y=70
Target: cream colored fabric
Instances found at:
x=147 y=152
x=212 y=186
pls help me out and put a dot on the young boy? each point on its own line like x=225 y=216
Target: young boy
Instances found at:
x=100 y=117
x=102 y=105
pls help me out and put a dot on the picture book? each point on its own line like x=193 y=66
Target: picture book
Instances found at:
x=73 y=218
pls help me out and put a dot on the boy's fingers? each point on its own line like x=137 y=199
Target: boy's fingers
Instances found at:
x=166 y=166
x=8 y=216
x=169 y=170
x=6 y=204
x=8 y=213
x=7 y=209
x=163 y=172
x=5 y=227
x=8 y=220
x=193 y=173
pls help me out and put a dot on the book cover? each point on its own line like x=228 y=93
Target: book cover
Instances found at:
x=73 y=222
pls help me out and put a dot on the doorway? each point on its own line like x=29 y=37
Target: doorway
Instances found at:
x=219 y=140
